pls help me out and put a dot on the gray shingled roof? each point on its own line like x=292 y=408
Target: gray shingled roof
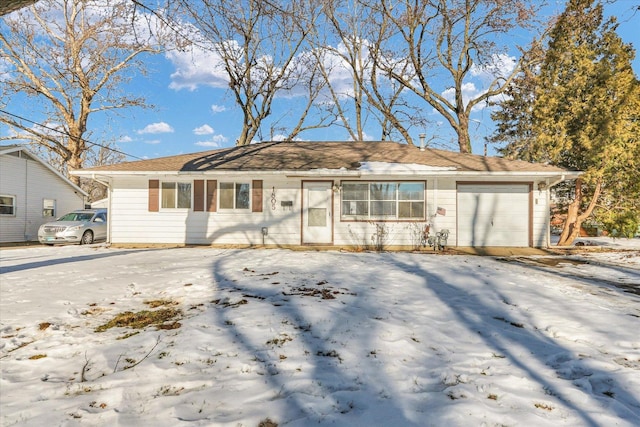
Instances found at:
x=300 y=156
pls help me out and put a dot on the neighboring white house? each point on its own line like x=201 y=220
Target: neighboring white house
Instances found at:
x=31 y=193
x=100 y=204
x=330 y=194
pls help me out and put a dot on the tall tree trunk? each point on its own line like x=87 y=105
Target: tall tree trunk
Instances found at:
x=573 y=223
x=464 y=140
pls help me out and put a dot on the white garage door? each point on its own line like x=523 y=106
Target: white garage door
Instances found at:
x=493 y=215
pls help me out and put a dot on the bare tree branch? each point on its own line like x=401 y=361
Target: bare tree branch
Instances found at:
x=70 y=56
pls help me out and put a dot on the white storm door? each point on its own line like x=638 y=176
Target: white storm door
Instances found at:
x=317 y=223
x=493 y=215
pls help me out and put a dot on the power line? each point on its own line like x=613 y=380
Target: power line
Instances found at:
x=67 y=134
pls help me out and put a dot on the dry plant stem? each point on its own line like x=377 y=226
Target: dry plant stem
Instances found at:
x=158 y=339
x=83 y=378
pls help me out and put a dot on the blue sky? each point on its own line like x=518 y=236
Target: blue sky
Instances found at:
x=195 y=113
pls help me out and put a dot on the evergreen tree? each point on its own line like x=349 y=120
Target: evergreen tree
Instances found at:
x=579 y=108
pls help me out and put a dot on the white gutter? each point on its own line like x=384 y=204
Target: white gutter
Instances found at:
x=338 y=173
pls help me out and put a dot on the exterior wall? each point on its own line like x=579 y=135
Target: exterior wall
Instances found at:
x=31 y=183
x=401 y=233
x=133 y=223
x=541 y=209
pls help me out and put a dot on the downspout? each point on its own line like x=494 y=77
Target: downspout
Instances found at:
x=549 y=185
x=108 y=185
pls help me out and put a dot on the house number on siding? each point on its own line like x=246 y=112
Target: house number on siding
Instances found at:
x=273 y=199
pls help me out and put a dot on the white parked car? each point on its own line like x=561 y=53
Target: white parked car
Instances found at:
x=82 y=226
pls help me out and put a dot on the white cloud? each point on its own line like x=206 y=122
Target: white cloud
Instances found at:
x=469 y=91
x=197 y=67
x=152 y=141
x=365 y=137
x=218 y=108
x=203 y=130
x=215 y=141
x=160 y=127
x=501 y=65
x=125 y=138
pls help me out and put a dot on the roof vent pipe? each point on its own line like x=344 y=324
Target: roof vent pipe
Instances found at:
x=422 y=135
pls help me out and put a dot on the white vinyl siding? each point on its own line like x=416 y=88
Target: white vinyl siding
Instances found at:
x=31 y=182
x=131 y=221
x=541 y=215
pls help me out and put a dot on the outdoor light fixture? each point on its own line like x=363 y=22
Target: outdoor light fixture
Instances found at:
x=542 y=186
x=336 y=188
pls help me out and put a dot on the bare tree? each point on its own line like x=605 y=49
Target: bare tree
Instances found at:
x=310 y=85
x=434 y=41
x=256 y=43
x=71 y=59
x=357 y=88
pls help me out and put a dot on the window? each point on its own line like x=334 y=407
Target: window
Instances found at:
x=7 y=205
x=49 y=208
x=176 y=195
x=234 y=195
x=383 y=200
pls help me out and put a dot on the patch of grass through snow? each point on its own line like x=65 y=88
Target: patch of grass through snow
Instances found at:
x=142 y=319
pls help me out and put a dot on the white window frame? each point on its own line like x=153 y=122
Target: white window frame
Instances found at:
x=369 y=201
x=235 y=199
x=176 y=199
x=46 y=207
x=13 y=205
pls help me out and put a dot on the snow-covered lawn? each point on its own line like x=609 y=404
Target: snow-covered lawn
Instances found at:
x=318 y=338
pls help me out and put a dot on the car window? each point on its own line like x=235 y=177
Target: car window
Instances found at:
x=101 y=218
x=76 y=216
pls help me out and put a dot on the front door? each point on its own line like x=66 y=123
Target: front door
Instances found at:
x=317 y=223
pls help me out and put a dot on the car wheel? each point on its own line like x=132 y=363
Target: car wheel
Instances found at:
x=87 y=238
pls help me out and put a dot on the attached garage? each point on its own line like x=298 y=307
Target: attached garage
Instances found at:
x=494 y=214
